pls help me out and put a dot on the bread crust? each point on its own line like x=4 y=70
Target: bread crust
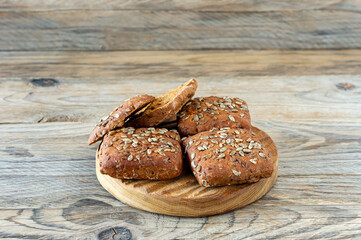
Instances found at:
x=205 y=113
x=227 y=156
x=143 y=153
x=165 y=107
x=118 y=116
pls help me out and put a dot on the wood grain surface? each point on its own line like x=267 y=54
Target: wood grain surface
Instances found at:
x=60 y=71
x=118 y=29
x=198 y=5
x=80 y=86
x=309 y=105
x=184 y=197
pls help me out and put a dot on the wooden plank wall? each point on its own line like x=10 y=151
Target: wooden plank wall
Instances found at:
x=178 y=25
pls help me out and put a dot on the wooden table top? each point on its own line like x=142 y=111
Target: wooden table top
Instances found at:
x=62 y=67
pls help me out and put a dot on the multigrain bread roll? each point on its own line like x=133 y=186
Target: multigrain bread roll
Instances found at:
x=165 y=107
x=226 y=157
x=118 y=116
x=203 y=114
x=143 y=153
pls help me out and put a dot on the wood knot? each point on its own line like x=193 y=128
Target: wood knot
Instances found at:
x=44 y=82
x=58 y=118
x=18 y=152
x=345 y=86
x=118 y=233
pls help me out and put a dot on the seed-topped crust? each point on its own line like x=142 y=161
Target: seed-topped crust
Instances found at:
x=143 y=153
x=165 y=107
x=227 y=156
x=117 y=117
x=203 y=114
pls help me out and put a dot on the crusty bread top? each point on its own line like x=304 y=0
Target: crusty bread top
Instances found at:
x=142 y=153
x=227 y=156
x=117 y=117
x=204 y=113
x=166 y=106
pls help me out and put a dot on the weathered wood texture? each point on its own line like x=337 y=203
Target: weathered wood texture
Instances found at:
x=110 y=30
x=307 y=101
x=194 y=5
x=49 y=188
x=294 y=84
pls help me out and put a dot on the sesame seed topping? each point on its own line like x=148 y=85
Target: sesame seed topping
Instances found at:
x=236 y=172
x=257 y=145
x=223 y=149
x=222 y=155
x=130 y=158
x=193 y=155
x=244 y=108
x=262 y=154
x=253 y=160
x=204 y=183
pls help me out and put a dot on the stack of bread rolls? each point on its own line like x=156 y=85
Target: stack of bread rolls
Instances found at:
x=214 y=133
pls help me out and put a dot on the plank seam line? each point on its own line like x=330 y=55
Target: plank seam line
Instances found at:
x=176 y=10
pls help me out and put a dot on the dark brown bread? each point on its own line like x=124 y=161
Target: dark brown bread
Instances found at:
x=165 y=107
x=118 y=116
x=203 y=114
x=226 y=157
x=143 y=153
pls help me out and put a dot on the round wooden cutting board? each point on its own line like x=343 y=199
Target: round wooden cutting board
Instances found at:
x=183 y=196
